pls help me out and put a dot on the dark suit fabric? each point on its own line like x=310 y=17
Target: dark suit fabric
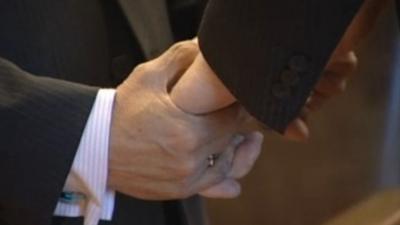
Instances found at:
x=42 y=119
x=41 y=124
x=270 y=54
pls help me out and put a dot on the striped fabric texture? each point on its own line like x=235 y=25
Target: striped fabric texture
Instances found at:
x=88 y=174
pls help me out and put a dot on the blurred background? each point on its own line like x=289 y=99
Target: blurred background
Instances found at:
x=354 y=150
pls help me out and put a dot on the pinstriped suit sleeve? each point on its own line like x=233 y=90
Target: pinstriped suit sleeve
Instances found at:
x=271 y=54
x=42 y=121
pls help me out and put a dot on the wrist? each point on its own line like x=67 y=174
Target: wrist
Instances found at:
x=200 y=79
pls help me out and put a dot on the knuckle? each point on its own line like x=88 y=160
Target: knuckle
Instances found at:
x=190 y=164
x=187 y=168
x=183 y=47
x=178 y=46
x=183 y=139
x=141 y=68
x=338 y=86
x=184 y=167
x=352 y=59
x=142 y=72
x=344 y=64
x=191 y=141
x=183 y=189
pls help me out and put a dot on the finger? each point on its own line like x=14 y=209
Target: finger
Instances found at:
x=227 y=152
x=340 y=67
x=215 y=131
x=305 y=113
x=173 y=63
x=336 y=74
x=217 y=173
x=219 y=145
x=316 y=101
x=297 y=131
x=205 y=175
x=332 y=84
x=228 y=120
x=246 y=155
x=343 y=62
x=228 y=188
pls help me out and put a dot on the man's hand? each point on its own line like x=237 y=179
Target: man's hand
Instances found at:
x=159 y=152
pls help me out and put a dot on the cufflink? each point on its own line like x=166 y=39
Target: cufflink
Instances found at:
x=290 y=78
x=72 y=197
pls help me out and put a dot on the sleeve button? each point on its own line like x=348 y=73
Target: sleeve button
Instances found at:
x=290 y=77
x=299 y=63
x=280 y=91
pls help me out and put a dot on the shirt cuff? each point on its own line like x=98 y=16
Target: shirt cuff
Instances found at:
x=88 y=174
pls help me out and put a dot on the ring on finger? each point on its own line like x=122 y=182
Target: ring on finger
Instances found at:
x=211 y=159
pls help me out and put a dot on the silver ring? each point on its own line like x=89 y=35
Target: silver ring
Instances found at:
x=211 y=160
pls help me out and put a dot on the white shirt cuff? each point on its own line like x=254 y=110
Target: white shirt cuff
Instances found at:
x=88 y=174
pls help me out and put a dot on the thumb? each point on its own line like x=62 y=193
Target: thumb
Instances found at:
x=174 y=62
x=297 y=131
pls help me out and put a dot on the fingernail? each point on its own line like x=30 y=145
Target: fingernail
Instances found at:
x=238 y=139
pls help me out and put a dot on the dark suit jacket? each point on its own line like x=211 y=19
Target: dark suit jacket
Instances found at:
x=270 y=54
x=88 y=42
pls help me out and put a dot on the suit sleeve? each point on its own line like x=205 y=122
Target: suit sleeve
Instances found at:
x=42 y=121
x=270 y=54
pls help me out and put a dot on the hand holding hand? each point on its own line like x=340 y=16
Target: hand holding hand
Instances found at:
x=160 y=152
x=333 y=82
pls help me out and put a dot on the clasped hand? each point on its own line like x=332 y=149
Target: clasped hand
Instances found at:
x=159 y=152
